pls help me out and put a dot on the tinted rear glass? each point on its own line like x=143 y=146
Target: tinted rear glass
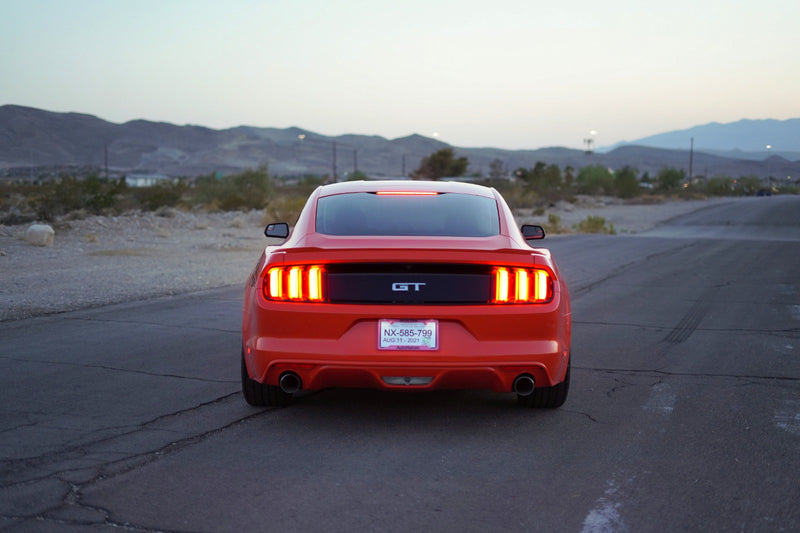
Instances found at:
x=448 y=214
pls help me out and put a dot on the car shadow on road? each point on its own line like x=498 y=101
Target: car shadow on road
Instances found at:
x=364 y=410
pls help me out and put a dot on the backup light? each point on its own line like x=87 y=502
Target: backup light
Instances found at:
x=297 y=283
x=522 y=285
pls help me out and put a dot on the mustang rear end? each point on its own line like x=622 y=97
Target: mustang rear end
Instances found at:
x=406 y=286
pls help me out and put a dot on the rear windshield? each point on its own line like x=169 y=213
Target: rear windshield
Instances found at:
x=444 y=214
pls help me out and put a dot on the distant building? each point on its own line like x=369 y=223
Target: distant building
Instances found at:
x=146 y=180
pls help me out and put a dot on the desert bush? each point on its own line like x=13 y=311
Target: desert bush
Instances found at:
x=517 y=195
x=669 y=179
x=68 y=194
x=160 y=195
x=595 y=224
x=283 y=209
x=247 y=190
x=719 y=186
x=748 y=185
x=544 y=180
x=626 y=184
x=595 y=179
x=553 y=224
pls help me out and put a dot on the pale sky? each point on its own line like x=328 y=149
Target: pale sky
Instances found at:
x=502 y=73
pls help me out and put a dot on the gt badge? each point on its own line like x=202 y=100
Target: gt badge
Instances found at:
x=405 y=287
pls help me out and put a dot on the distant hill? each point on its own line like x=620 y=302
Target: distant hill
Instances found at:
x=36 y=142
x=745 y=139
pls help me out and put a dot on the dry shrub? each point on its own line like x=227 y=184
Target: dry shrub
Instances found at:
x=593 y=224
x=283 y=209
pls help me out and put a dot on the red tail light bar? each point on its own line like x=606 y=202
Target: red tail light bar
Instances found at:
x=304 y=283
x=522 y=285
x=300 y=283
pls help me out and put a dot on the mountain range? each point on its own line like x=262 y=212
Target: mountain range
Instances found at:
x=35 y=142
x=749 y=139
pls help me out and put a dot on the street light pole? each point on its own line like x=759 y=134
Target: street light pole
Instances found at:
x=769 y=174
x=303 y=137
x=589 y=142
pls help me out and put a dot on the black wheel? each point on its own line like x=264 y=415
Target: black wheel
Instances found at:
x=548 y=397
x=261 y=394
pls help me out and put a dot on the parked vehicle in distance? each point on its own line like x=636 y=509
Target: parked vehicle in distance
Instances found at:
x=406 y=285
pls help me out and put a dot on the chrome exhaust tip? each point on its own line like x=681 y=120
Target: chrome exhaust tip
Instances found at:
x=523 y=385
x=290 y=382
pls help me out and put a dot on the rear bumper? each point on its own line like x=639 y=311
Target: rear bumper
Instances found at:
x=326 y=374
x=462 y=361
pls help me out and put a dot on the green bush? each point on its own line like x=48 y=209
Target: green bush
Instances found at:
x=247 y=190
x=553 y=224
x=669 y=179
x=517 y=195
x=594 y=224
x=595 y=179
x=719 y=186
x=93 y=194
x=626 y=184
x=283 y=209
x=160 y=195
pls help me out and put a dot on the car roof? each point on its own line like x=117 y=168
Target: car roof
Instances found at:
x=406 y=185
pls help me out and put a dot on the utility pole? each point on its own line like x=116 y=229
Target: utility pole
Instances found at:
x=335 y=177
x=691 y=159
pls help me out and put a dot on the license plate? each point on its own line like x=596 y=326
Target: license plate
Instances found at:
x=408 y=334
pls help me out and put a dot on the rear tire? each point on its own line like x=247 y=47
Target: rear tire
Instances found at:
x=548 y=397
x=261 y=394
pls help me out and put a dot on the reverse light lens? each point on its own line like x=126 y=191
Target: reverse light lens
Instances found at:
x=294 y=283
x=522 y=285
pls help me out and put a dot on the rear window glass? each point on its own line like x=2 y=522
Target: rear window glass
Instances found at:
x=445 y=214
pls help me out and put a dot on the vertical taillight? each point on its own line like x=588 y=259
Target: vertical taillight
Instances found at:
x=299 y=283
x=501 y=285
x=522 y=285
x=273 y=288
x=315 y=283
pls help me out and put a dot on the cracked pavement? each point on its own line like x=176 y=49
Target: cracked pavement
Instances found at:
x=683 y=412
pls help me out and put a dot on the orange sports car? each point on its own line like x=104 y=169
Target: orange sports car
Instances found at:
x=406 y=285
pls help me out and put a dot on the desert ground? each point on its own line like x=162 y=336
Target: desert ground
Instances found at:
x=97 y=261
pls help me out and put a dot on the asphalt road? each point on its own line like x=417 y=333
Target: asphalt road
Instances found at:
x=684 y=412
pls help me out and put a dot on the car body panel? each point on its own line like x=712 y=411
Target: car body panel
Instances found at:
x=484 y=345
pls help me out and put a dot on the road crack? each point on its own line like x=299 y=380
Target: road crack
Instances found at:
x=69 y=508
x=654 y=372
x=115 y=369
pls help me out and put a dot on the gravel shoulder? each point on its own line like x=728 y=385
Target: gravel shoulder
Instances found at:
x=103 y=260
